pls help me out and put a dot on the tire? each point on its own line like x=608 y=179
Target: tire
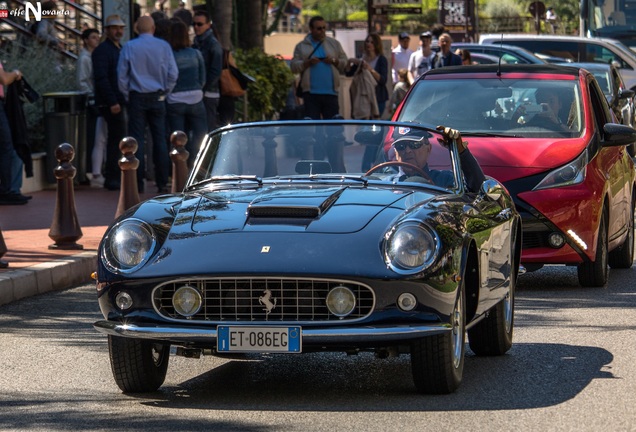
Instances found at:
x=139 y=366
x=437 y=362
x=595 y=274
x=623 y=256
x=492 y=336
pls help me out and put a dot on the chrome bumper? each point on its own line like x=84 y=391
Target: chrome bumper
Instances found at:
x=311 y=336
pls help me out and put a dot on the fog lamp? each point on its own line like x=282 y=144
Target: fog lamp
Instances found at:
x=341 y=301
x=407 y=302
x=556 y=240
x=187 y=301
x=123 y=300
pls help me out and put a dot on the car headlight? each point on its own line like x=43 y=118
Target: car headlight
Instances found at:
x=128 y=245
x=567 y=175
x=411 y=247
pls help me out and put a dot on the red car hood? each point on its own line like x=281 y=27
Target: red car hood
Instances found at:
x=512 y=158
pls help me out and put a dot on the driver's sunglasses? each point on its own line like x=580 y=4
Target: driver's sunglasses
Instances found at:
x=413 y=145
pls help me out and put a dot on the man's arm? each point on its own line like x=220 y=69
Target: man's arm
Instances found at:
x=173 y=71
x=470 y=167
x=123 y=67
x=100 y=73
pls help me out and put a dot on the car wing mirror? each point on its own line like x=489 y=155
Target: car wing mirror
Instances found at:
x=626 y=94
x=492 y=189
x=313 y=167
x=618 y=135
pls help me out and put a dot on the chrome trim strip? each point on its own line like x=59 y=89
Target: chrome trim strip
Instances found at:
x=310 y=335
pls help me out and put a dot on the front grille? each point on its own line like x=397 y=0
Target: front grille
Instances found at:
x=240 y=300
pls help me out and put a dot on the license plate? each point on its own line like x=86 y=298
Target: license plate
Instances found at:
x=259 y=339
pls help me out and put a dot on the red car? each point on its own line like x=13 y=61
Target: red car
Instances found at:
x=547 y=133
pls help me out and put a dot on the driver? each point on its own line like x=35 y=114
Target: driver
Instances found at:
x=415 y=150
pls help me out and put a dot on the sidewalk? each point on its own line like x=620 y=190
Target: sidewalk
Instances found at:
x=33 y=267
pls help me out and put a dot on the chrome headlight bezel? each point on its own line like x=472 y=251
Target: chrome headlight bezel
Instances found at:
x=404 y=234
x=569 y=174
x=122 y=233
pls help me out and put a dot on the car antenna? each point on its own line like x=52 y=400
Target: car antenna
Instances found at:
x=500 y=54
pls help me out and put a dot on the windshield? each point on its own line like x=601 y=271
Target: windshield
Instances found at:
x=513 y=107
x=330 y=151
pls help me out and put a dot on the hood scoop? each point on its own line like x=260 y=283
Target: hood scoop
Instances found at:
x=283 y=212
x=294 y=210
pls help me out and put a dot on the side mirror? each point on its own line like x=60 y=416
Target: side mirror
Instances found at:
x=618 y=135
x=626 y=94
x=492 y=189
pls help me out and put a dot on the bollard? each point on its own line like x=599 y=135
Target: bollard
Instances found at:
x=179 y=156
x=65 y=229
x=128 y=194
x=3 y=250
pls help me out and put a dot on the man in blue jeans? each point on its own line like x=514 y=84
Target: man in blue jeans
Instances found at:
x=147 y=72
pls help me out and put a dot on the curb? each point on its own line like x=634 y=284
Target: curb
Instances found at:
x=49 y=276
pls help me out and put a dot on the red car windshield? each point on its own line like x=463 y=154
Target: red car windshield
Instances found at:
x=522 y=107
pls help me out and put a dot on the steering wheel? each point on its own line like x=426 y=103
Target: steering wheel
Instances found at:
x=403 y=164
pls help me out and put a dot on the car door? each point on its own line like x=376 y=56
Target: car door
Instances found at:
x=609 y=161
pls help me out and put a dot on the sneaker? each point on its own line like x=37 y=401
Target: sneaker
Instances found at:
x=97 y=181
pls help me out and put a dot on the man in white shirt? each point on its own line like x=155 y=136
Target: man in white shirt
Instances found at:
x=422 y=59
x=401 y=55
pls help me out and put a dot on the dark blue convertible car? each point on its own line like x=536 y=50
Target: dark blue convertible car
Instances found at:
x=295 y=237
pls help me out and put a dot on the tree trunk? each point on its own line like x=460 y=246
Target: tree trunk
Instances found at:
x=222 y=16
x=250 y=14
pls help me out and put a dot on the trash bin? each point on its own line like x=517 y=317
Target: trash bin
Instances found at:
x=65 y=121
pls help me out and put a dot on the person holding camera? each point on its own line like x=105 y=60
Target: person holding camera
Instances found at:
x=320 y=60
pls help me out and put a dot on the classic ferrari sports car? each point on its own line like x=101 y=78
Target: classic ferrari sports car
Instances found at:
x=284 y=242
x=547 y=133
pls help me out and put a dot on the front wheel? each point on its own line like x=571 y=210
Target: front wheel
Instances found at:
x=595 y=274
x=139 y=366
x=437 y=362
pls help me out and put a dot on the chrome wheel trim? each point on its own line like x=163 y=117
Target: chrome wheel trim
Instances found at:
x=458 y=332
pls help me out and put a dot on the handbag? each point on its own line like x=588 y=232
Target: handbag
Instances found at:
x=299 y=87
x=233 y=82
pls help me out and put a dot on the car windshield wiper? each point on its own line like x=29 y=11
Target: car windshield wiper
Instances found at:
x=232 y=177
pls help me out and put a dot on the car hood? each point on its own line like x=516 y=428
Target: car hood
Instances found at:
x=512 y=158
x=308 y=209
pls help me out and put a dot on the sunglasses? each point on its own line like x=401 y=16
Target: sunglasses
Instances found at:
x=198 y=24
x=320 y=28
x=413 y=145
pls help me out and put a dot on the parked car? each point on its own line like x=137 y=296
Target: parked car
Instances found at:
x=508 y=53
x=271 y=248
x=566 y=167
x=479 y=58
x=619 y=97
x=575 y=49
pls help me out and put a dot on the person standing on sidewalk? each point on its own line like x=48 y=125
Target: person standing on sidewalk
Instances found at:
x=146 y=73
x=7 y=151
x=212 y=51
x=96 y=130
x=186 y=111
x=320 y=60
x=108 y=98
x=400 y=55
